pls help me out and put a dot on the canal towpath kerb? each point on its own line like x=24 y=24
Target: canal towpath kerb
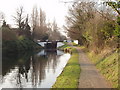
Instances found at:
x=90 y=77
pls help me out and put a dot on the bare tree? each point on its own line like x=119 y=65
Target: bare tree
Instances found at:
x=19 y=17
x=34 y=17
x=39 y=25
x=42 y=18
x=42 y=30
x=34 y=21
x=54 y=33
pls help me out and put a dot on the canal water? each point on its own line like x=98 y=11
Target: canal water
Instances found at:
x=32 y=70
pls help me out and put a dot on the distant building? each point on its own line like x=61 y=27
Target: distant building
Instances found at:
x=75 y=41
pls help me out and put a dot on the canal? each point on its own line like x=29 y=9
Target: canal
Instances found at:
x=32 y=69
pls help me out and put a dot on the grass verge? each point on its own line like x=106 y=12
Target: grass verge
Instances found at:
x=107 y=65
x=70 y=75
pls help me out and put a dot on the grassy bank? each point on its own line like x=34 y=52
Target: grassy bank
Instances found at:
x=107 y=63
x=70 y=75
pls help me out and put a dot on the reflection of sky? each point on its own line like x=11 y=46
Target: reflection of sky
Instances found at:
x=9 y=79
x=41 y=74
x=50 y=75
x=42 y=52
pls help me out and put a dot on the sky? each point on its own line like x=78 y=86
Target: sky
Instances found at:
x=54 y=9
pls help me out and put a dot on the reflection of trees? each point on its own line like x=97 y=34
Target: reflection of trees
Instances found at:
x=38 y=73
x=40 y=64
x=33 y=68
x=23 y=68
x=8 y=61
x=52 y=60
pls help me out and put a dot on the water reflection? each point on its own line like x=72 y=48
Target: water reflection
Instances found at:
x=33 y=70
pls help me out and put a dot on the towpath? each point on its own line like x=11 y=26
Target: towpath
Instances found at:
x=90 y=76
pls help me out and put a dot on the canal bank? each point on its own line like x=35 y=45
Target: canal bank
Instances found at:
x=88 y=74
x=69 y=78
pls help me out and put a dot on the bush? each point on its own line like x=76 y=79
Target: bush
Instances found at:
x=9 y=46
x=9 y=40
x=15 y=44
x=117 y=31
x=8 y=34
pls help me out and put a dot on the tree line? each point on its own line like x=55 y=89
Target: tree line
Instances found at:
x=28 y=30
x=43 y=30
x=35 y=26
x=95 y=26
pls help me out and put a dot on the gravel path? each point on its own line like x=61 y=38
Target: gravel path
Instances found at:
x=89 y=76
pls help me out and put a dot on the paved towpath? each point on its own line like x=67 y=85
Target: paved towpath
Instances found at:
x=90 y=76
